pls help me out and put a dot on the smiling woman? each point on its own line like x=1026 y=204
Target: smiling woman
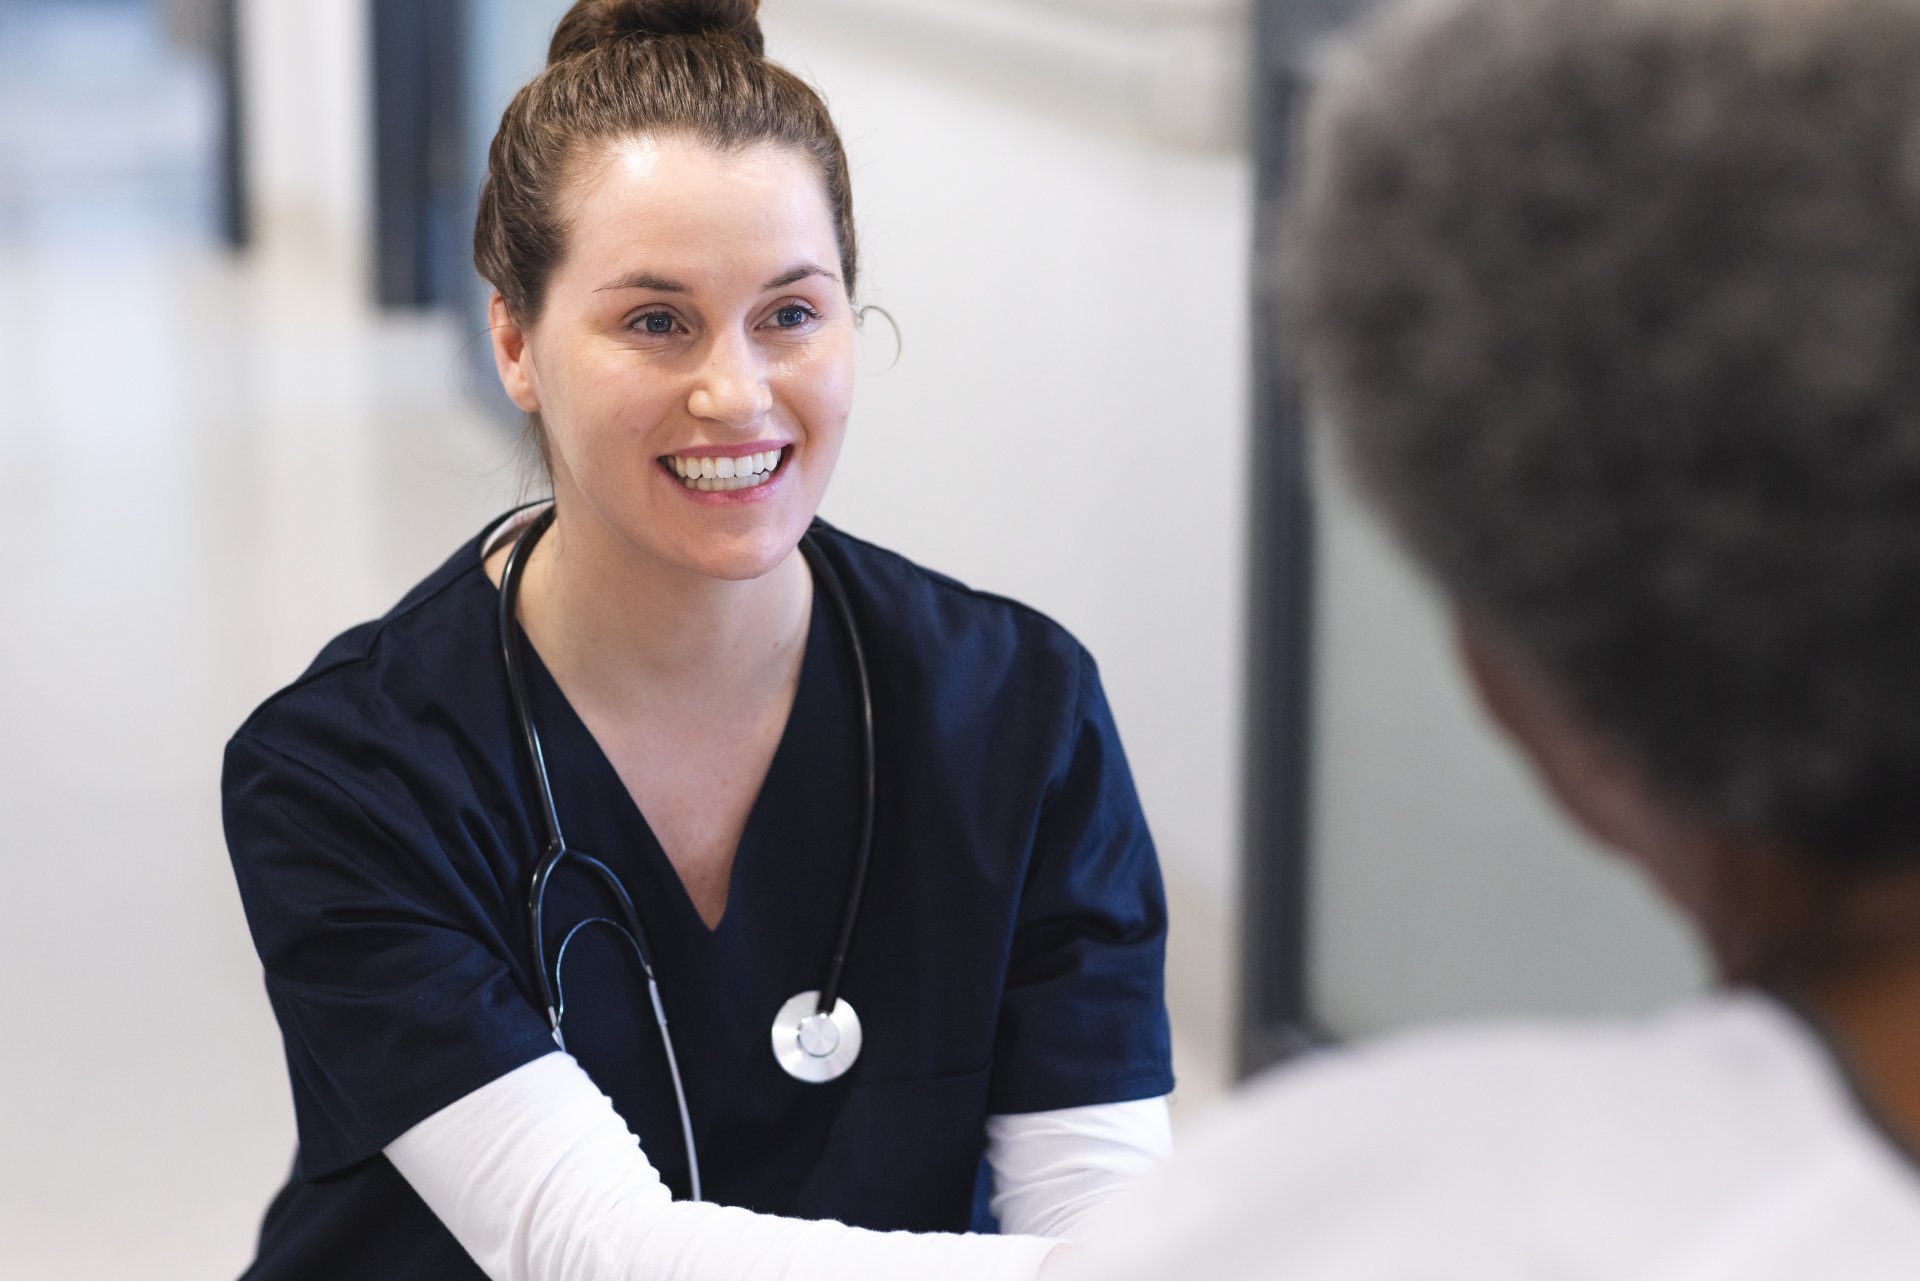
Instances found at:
x=691 y=318
x=783 y=759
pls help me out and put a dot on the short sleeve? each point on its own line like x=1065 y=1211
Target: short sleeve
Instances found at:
x=1083 y=1019
x=386 y=952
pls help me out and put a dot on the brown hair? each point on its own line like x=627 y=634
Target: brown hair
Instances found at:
x=621 y=68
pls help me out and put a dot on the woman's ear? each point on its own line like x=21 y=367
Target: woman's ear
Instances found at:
x=511 y=355
x=1601 y=791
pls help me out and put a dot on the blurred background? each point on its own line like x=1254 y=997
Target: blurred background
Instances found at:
x=246 y=401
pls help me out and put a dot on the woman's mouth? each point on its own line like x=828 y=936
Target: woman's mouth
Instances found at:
x=709 y=475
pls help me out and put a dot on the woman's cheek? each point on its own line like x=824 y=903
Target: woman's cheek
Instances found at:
x=830 y=380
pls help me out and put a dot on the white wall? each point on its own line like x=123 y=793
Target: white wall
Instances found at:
x=1173 y=71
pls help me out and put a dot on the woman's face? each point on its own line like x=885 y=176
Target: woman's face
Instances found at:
x=693 y=363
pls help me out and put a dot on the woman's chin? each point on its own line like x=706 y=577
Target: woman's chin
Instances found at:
x=741 y=555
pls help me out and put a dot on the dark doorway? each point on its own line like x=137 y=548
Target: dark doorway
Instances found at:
x=1275 y=1016
x=230 y=196
x=421 y=202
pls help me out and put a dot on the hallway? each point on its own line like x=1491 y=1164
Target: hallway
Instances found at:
x=206 y=469
x=210 y=465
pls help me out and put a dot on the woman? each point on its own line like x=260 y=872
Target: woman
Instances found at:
x=667 y=226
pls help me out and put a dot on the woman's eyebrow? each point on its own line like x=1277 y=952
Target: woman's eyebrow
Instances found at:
x=644 y=280
x=797 y=274
x=664 y=285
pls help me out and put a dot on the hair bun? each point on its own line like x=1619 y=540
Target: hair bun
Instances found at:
x=591 y=24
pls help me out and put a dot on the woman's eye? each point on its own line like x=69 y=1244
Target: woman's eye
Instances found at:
x=792 y=316
x=655 y=322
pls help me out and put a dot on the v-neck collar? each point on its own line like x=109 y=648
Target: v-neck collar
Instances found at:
x=619 y=821
x=581 y=767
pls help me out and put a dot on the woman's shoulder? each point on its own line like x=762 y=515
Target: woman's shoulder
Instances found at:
x=969 y=666
x=1586 y=1147
x=926 y=609
x=1732 y=1049
x=375 y=680
x=1709 y=1090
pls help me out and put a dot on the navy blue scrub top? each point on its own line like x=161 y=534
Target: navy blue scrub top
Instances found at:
x=1008 y=958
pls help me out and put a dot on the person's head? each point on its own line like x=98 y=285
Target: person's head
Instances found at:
x=668 y=228
x=1613 y=307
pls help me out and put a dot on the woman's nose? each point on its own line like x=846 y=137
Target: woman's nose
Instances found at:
x=732 y=386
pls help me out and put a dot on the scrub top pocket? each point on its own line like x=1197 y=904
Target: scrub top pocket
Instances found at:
x=899 y=1148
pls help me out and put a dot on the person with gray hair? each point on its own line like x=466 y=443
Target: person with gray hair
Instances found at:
x=1612 y=309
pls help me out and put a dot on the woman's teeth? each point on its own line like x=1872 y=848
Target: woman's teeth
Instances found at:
x=710 y=474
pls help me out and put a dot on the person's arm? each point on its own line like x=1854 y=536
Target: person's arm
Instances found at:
x=1052 y=1170
x=539 y=1179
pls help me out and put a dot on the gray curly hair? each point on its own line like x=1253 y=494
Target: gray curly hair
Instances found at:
x=1614 y=309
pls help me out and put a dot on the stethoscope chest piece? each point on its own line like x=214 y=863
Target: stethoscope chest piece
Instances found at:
x=815 y=1047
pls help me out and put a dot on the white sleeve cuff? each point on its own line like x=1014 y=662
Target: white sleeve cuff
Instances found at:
x=539 y=1179
x=1052 y=1170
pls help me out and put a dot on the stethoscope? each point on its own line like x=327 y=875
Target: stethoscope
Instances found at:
x=816 y=1035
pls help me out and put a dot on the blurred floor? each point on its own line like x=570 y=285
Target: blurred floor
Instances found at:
x=206 y=468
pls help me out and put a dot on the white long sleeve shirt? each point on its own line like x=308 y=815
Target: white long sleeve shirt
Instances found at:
x=539 y=1179
x=1717 y=1143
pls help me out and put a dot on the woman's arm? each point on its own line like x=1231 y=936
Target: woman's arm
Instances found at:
x=1051 y=1170
x=539 y=1179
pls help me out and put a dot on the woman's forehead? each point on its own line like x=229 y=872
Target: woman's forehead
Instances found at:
x=679 y=209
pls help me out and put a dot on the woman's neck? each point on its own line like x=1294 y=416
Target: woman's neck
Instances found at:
x=1857 y=980
x=621 y=629
x=1871 y=1022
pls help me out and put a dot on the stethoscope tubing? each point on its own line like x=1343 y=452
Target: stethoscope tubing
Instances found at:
x=824 y=574
x=557 y=851
x=517 y=682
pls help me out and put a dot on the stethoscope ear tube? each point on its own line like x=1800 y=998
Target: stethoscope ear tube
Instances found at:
x=825 y=575
x=552 y=992
x=536 y=925
x=556 y=847
x=556 y=851
x=517 y=678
